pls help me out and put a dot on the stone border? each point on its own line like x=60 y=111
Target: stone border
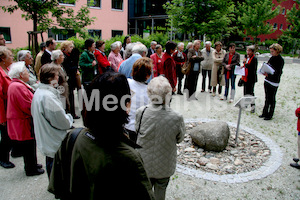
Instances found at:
x=269 y=167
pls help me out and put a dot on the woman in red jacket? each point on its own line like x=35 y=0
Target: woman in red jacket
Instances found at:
x=157 y=61
x=296 y=165
x=19 y=121
x=169 y=65
x=103 y=63
x=6 y=59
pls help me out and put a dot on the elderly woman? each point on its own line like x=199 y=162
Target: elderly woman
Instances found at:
x=19 y=121
x=57 y=58
x=159 y=129
x=180 y=58
x=114 y=56
x=188 y=47
x=70 y=66
x=6 y=59
x=104 y=163
x=231 y=59
x=157 y=61
x=141 y=72
x=272 y=81
x=250 y=78
x=103 y=63
x=88 y=63
x=25 y=55
x=217 y=73
x=49 y=117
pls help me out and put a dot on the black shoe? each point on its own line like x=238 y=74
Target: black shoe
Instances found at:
x=35 y=172
x=261 y=116
x=7 y=164
x=267 y=118
x=39 y=166
x=296 y=159
x=179 y=93
x=296 y=165
x=76 y=117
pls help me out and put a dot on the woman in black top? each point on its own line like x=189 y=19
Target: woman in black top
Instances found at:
x=272 y=81
x=250 y=78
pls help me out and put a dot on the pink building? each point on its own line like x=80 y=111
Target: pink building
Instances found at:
x=112 y=20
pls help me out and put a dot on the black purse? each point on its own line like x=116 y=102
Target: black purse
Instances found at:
x=241 y=82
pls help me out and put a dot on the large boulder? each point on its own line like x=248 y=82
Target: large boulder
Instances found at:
x=211 y=136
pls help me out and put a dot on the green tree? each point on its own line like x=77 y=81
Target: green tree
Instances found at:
x=47 y=14
x=253 y=16
x=199 y=17
x=291 y=37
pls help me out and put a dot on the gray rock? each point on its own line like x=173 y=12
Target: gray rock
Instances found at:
x=212 y=166
x=211 y=136
x=203 y=161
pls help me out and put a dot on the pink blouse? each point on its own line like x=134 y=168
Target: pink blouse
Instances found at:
x=115 y=59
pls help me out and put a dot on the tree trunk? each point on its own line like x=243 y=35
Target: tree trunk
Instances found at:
x=35 y=37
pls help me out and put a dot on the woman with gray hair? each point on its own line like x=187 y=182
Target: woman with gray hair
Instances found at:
x=114 y=56
x=25 y=55
x=57 y=58
x=158 y=68
x=159 y=129
x=19 y=120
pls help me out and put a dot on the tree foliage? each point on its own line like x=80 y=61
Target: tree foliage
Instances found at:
x=199 y=17
x=253 y=16
x=47 y=14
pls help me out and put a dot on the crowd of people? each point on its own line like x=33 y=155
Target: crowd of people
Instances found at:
x=136 y=140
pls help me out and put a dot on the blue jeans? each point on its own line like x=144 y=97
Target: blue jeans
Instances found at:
x=232 y=82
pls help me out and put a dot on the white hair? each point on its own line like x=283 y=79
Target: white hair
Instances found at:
x=16 y=69
x=153 y=42
x=159 y=90
x=208 y=43
x=114 y=45
x=140 y=49
x=189 y=45
x=180 y=44
x=119 y=43
x=197 y=41
x=21 y=55
x=55 y=54
x=128 y=51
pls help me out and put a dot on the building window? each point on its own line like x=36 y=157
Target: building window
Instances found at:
x=281 y=26
x=275 y=26
x=289 y=27
x=117 y=4
x=94 y=3
x=95 y=33
x=114 y=33
x=6 y=33
x=69 y=2
x=61 y=34
x=283 y=11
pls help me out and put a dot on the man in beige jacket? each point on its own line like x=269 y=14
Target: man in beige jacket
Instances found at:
x=206 y=65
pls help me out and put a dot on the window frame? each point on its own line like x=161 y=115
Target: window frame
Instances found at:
x=100 y=3
x=112 y=35
x=7 y=41
x=117 y=9
x=275 y=26
x=55 y=36
x=94 y=32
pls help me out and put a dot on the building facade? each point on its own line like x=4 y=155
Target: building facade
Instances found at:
x=279 y=22
x=112 y=20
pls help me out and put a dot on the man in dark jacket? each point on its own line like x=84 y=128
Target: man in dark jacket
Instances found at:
x=50 y=46
x=151 y=50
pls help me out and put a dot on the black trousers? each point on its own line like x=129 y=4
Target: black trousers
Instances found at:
x=72 y=103
x=249 y=89
x=179 y=75
x=270 y=100
x=192 y=80
x=5 y=144
x=28 y=149
x=204 y=74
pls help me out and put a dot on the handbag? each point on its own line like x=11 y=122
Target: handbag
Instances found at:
x=186 y=68
x=241 y=82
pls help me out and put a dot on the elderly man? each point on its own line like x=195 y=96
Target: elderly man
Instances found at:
x=38 y=62
x=50 y=46
x=194 y=58
x=151 y=50
x=25 y=55
x=138 y=51
x=207 y=64
x=2 y=40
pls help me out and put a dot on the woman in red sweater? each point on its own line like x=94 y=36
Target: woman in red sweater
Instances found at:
x=103 y=63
